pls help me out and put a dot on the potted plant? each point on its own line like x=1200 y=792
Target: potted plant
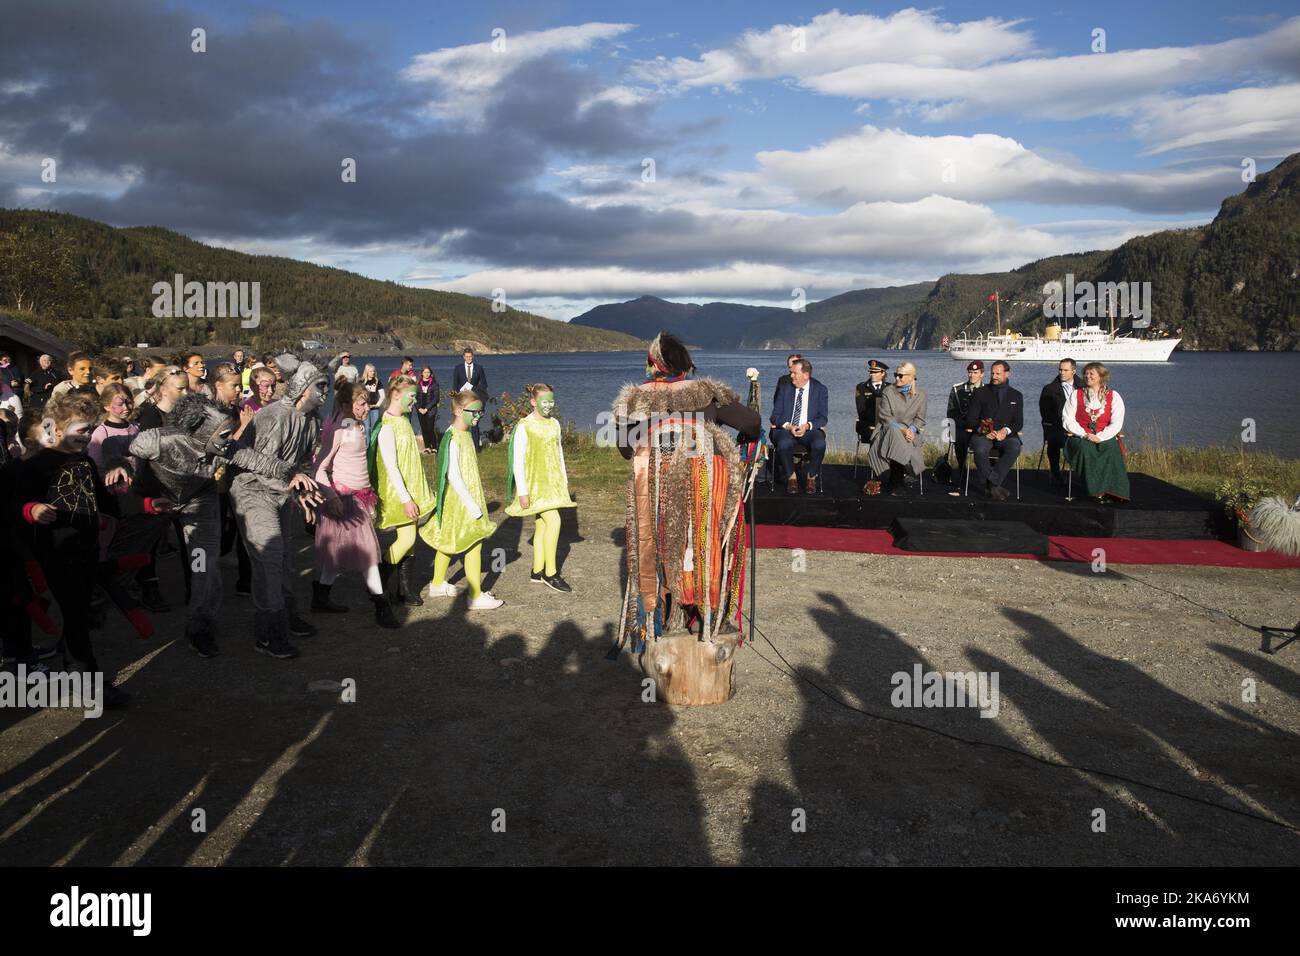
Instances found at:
x=1238 y=493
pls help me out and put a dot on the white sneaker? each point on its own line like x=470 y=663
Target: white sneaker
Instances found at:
x=485 y=602
x=445 y=589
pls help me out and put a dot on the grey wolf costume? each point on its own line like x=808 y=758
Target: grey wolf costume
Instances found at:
x=278 y=444
x=185 y=457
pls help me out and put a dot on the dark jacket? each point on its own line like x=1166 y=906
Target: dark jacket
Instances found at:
x=1051 y=404
x=428 y=395
x=478 y=383
x=865 y=397
x=960 y=397
x=818 y=410
x=1009 y=413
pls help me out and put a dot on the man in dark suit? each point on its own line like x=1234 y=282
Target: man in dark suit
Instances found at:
x=799 y=414
x=1001 y=404
x=1057 y=394
x=469 y=376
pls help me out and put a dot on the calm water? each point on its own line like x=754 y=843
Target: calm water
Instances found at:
x=1197 y=398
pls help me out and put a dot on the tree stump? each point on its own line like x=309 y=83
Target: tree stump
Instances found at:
x=689 y=671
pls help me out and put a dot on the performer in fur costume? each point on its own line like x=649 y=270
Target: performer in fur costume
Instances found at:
x=684 y=527
x=275 y=463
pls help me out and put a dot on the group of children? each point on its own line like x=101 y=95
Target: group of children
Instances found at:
x=91 y=482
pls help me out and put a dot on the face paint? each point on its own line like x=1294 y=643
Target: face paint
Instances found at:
x=315 y=396
x=408 y=400
x=471 y=414
x=546 y=404
x=76 y=436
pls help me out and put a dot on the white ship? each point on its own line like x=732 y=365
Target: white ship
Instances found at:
x=1083 y=343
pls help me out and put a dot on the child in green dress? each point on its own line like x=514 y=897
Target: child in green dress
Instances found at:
x=460 y=524
x=538 y=483
x=397 y=475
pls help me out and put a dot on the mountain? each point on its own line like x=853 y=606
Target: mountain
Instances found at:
x=1233 y=284
x=716 y=325
x=92 y=284
x=845 y=321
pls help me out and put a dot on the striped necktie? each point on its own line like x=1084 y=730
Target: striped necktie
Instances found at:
x=798 y=406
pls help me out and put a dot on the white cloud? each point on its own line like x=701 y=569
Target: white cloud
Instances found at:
x=946 y=70
x=464 y=76
x=836 y=41
x=1263 y=119
x=873 y=164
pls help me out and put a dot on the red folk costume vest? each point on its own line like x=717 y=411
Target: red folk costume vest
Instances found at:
x=1085 y=419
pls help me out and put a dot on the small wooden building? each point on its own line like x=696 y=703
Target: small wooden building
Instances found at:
x=25 y=343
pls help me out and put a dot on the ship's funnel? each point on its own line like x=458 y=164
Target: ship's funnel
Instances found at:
x=1052 y=333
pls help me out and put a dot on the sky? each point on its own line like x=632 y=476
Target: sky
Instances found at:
x=560 y=155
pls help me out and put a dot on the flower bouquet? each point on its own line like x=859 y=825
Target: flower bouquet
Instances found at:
x=871 y=487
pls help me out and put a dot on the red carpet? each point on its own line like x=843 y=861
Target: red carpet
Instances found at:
x=1201 y=551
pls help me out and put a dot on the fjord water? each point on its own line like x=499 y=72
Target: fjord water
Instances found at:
x=1197 y=398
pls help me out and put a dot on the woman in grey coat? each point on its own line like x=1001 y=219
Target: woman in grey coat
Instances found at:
x=897 y=441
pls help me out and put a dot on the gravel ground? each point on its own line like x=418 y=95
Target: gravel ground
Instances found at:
x=506 y=737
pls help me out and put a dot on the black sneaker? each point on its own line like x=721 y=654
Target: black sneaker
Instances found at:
x=152 y=599
x=205 y=649
x=282 y=650
x=45 y=653
x=537 y=577
x=300 y=628
x=556 y=583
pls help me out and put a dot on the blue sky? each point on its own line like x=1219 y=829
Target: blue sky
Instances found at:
x=882 y=144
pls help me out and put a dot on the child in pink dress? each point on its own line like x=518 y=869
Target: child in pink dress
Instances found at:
x=345 y=531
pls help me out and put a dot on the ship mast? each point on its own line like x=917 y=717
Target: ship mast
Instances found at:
x=1110 y=309
x=997 y=303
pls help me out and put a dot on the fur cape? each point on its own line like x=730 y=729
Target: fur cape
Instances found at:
x=669 y=494
x=638 y=402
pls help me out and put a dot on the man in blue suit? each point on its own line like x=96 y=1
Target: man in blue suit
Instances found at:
x=469 y=376
x=799 y=414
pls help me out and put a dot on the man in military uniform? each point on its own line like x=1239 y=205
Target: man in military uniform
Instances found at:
x=959 y=403
x=865 y=396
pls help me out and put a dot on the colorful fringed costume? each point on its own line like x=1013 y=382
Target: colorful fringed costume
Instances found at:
x=685 y=525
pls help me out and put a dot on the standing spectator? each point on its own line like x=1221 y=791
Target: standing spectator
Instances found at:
x=341 y=367
x=470 y=377
x=9 y=374
x=42 y=381
x=426 y=406
x=374 y=396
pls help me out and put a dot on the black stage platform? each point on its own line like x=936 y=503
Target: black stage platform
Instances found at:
x=1158 y=509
